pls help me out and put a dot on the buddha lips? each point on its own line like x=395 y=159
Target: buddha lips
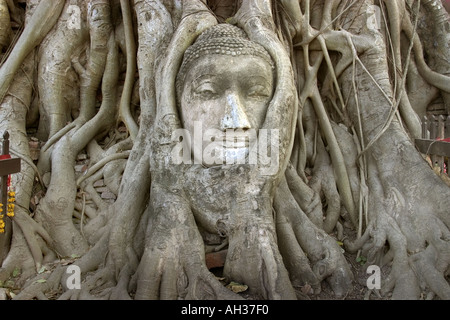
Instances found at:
x=215 y=147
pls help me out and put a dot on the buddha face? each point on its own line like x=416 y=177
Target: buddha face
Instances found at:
x=227 y=96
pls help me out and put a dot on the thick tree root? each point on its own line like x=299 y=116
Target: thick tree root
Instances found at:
x=418 y=242
x=323 y=252
x=173 y=263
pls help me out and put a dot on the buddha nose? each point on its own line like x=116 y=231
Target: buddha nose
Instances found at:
x=235 y=116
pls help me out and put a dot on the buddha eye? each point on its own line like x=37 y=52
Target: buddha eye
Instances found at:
x=205 y=91
x=258 y=91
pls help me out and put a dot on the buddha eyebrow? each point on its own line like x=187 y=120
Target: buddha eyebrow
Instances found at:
x=203 y=77
x=256 y=78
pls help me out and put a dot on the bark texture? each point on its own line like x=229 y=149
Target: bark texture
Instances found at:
x=88 y=94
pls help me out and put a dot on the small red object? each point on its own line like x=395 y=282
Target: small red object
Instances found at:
x=5 y=157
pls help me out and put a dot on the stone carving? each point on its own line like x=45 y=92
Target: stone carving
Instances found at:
x=224 y=87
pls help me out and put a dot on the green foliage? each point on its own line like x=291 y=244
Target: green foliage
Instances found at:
x=361 y=260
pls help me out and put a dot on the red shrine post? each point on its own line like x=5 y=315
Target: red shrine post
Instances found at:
x=7 y=166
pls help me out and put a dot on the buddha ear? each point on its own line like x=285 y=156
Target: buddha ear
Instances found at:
x=196 y=18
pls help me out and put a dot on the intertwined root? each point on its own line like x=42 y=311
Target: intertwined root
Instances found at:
x=173 y=263
x=163 y=276
x=300 y=238
x=418 y=253
x=414 y=244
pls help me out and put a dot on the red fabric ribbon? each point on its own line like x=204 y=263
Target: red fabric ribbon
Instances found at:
x=4 y=157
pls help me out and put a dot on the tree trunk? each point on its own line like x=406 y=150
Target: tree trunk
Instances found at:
x=92 y=92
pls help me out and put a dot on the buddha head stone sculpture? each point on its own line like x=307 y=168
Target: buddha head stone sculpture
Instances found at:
x=224 y=87
x=219 y=194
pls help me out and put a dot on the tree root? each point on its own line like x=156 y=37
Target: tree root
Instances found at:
x=323 y=251
x=295 y=260
x=324 y=181
x=5 y=25
x=101 y=164
x=308 y=200
x=418 y=247
x=40 y=284
x=173 y=262
x=43 y=19
x=125 y=102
